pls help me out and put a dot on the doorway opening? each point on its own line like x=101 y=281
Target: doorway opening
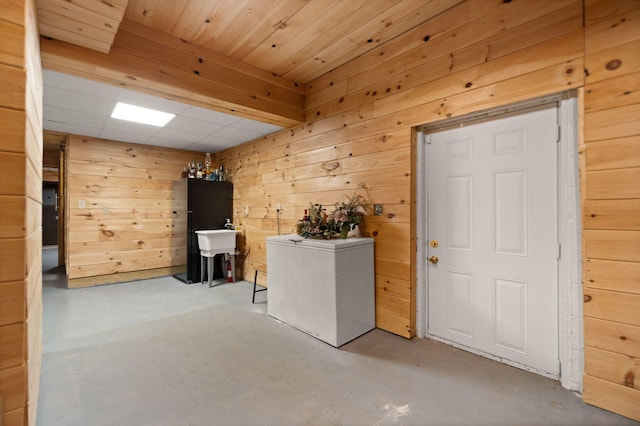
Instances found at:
x=53 y=194
x=50 y=214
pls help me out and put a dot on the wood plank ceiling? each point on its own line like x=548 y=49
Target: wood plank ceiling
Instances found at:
x=293 y=41
x=296 y=39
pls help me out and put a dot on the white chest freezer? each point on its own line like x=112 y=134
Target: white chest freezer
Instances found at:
x=325 y=288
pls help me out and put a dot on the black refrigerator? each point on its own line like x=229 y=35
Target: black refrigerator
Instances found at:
x=200 y=204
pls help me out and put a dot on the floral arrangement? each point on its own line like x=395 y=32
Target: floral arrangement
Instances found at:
x=348 y=214
x=316 y=223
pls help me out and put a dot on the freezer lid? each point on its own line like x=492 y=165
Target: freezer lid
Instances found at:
x=335 y=244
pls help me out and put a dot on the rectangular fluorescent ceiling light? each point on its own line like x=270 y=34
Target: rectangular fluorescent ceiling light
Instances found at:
x=142 y=115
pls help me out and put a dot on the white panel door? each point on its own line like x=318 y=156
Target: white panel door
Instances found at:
x=492 y=224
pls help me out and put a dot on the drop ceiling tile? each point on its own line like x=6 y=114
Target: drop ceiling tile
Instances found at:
x=179 y=135
x=55 y=96
x=170 y=143
x=130 y=127
x=116 y=135
x=216 y=144
x=152 y=102
x=211 y=116
x=77 y=118
x=192 y=125
x=215 y=140
x=83 y=107
x=55 y=126
x=256 y=126
x=238 y=135
x=81 y=85
x=202 y=147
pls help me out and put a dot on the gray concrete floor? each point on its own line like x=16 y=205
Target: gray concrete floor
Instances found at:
x=160 y=352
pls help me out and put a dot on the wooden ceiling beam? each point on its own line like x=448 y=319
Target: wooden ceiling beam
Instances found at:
x=148 y=61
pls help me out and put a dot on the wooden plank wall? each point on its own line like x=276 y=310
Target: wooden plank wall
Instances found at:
x=611 y=206
x=21 y=202
x=126 y=229
x=359 y=119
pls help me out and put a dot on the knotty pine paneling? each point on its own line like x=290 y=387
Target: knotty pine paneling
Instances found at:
x=88 y=24
x=612 y=336
x=12 y=302
x=618 y=214
x=612 y=123
x=613 y=306
x=613 y=92
x=597 y=10
x=20 y=162
x=12 y=339
x=357 y=137
x=12 y=129
x=613 y=62
x=33 y=213
x=611 y=198
x=612 y=245
x=613 y=367
x=612 y=275
x=127 y=229
x=613 y=153
x=612 y=184
x=612 y=396
x=11 y=50
x=463 y=57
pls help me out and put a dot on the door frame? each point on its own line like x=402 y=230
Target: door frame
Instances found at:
x=570 y=317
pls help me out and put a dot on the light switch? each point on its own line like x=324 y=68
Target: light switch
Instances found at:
x=81 y=204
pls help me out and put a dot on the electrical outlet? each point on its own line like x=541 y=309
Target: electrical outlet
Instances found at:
x=82 y=204
x=246 y=209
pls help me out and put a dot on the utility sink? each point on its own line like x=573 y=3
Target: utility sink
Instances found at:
x=215 y=241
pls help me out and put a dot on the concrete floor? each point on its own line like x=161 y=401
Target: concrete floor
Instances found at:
x=160 y=352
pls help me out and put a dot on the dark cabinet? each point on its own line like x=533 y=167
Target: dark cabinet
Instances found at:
x=200 y=204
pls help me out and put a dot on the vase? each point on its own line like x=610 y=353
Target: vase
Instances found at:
x=344 y=230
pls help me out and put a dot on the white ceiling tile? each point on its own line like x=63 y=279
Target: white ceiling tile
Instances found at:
x=170 y=143
x=130 y=127
x=211 y=116
x=256 y=126
x=179 y=135
x=83 y=107
x=77 y=101
x=81 y=85
x=203 y=147
x=213 y=147
x=63 y=115
x=214 y=144
x=55 y=126
x=116 y=135
x=152 y=102
x=237 y=135
x=192 y=125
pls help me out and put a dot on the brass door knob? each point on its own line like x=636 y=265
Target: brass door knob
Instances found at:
x=433 y=259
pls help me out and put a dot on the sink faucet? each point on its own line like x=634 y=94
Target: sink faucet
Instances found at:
x=229 y=225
